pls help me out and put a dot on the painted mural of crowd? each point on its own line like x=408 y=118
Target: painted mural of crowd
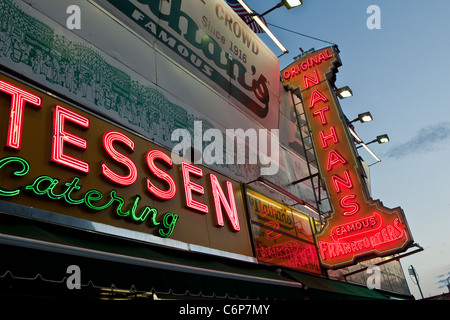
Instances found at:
x=78 y=69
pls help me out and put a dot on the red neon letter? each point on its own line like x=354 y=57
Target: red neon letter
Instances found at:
x=18 y=99
x=152 y=155
x=316 y=96
x=347 y=204
x=287 y=75
x=324 y=138
x=333 y=158
x=338 y=181
x=308 y=81
x=60 y=136
x=321 y=112
x=108 y=139
x=220 y=199
x=190 y=187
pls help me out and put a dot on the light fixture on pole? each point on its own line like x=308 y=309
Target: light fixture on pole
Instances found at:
x=344 y=92
x=363 y=117
x=288 y=3
x=413 y=273
x=358 y=140
x=380 y=139
x=448 y=284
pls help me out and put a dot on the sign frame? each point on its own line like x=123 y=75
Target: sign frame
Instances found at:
x=275 y=232
x=48 y=192
x=358 y=227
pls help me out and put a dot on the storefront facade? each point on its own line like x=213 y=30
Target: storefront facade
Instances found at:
x=152 y=150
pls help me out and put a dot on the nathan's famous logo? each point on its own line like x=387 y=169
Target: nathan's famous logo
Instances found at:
x=142 y=11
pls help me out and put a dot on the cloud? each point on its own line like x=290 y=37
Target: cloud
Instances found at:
x=426 y=139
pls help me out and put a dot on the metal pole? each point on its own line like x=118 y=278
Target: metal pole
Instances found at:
x=270 y=10
x=387 y=261
x=412 y=272
x=448 y=284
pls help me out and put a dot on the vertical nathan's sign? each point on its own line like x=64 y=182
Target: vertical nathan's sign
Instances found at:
x=358 y=226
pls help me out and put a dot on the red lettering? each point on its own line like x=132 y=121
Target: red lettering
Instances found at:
x=321 y=112
x=353 y=207
x=308 y=81
x=153 y=155
x=304 y=66
x=331 y=250
x=313 y=61
x=322 y=57
x=334 y=158
x=220 y=200
x=190 y=186
x=324 y=138
x=61 y=136
x=322 y=248
x=316 y=96
x=18 y=99
x=400 y=229
x=294 y=71
x=109 y=138
x=339 y=181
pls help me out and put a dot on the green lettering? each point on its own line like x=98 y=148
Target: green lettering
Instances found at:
x=95 y=195
x=145 y=214
x=70 y=188
x=121 y=202
x=18 y=173
x=169 y=221
x=43 y=185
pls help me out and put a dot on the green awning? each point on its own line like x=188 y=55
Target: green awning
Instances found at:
x=37 y=250
x=317 y=288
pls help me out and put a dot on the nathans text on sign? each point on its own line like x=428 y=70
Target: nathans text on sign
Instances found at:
x=358 y=226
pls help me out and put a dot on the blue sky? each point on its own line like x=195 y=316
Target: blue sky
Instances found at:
x=400 y=74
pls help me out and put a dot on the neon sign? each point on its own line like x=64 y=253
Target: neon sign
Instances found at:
x=45 y=186
x=282 y=235
x=108 y=139
x=358 y=227
x=151 y=156
x=61 y=136
x=18 y=99
x=84 y=167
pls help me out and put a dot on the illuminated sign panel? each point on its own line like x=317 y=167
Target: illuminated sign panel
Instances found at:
x=358 y=226
x=73 y=166
x=281 y=235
